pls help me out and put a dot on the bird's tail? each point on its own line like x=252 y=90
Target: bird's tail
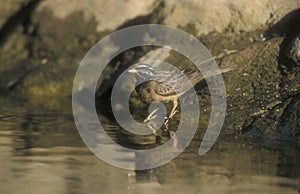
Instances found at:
x=197 y=76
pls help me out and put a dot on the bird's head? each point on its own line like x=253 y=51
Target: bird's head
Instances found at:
x=142 y=71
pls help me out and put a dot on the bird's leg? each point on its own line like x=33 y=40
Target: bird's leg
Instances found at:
x=172 y=134
x=150 y=116
x=153 y=130
x=173 y=111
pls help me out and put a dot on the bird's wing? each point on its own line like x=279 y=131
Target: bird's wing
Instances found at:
x=169 y=82
x=164 y=90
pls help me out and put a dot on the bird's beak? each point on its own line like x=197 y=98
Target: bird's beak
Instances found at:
x=132 y=70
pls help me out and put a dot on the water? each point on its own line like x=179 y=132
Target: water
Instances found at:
x=42 y=152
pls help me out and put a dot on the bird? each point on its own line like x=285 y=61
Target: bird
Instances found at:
x=161 y=86
x=289 y=28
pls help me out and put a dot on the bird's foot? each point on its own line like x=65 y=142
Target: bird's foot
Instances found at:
x=153 y=129
x=167 y=119
x=151 y=116
x=173 y=113
x=172 y=134
x=154 y=132
x=166 y=127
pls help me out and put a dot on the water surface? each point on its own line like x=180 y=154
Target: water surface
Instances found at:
x=42 y=152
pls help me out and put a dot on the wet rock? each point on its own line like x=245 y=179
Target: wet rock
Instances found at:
x=254 y=85
x=20 y=17
x=259 y=92
x=44 y=60
x=289 y=123
x=41 y=57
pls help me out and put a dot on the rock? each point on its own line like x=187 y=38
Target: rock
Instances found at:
x=44 y=60
x=262 y=94
x=8 y=8
x=109 y=15
x=220 y=16
x=14 y=53
x=289 y=123
x=61 y=32
x=293 y=51
x=288 y=28
x=40 y=58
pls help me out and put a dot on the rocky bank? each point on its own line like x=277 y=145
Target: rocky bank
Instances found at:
x=43 y=42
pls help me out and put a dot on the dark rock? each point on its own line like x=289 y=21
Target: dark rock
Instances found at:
x=293 y=49
x=289 y=28
x=289 y=123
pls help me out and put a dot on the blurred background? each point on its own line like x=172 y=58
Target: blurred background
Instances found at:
x=42 y=43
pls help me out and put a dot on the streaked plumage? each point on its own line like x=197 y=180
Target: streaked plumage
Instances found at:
x=161 y=83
